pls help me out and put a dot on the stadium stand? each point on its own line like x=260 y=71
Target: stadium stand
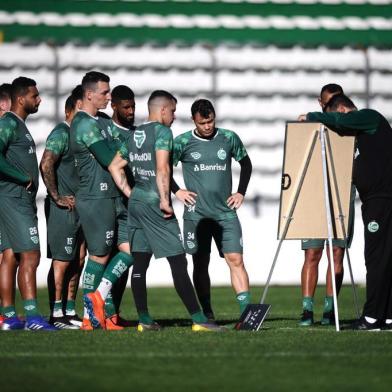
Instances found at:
x=262 y=62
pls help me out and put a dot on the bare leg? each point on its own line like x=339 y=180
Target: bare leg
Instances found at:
x=309 y=274
x=238 y=274
x=27 y=279
x=8 y=269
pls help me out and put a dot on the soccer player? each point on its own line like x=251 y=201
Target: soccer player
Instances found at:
x=63 y=228
x=373 y=179
x=210 y=206
x=5 y=105
x=314 y=250
x=97 y=196
x=18 y=212
x=153 y=228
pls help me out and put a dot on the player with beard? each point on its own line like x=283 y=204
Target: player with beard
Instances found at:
x=18 y=211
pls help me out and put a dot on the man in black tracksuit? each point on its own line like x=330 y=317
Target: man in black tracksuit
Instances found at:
x=373 y=179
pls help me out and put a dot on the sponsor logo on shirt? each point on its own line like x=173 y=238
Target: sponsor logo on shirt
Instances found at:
x=144 y=157
x=144 y=173
x=221 y=154
x=196 y=155
x=373 y=226
x=204 y=167
x=139 y=137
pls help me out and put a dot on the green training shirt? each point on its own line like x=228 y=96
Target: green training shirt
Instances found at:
x=18 y=147
x=206 y=167
x=140 y=153
x=66 y=174
x=95 y=182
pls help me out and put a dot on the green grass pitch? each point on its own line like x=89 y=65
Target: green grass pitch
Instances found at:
x=280 y=357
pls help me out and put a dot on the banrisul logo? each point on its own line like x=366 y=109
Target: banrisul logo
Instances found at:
x=373 y=226
x=139 y=137
x=221 y=154
x=196 y=155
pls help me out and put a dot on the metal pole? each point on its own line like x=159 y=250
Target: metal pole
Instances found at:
x=341 y=219
x=329 y=224
x=290 y=215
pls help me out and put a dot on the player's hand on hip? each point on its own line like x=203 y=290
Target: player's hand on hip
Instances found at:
x=235 y=201
x=302 y=117
x=187 y=197
x=66 y=201
x=166 y=208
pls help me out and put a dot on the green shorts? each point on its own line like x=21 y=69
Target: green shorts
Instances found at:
x=19 y=224
x=150 y=232
x=121 y=221
x=98 y=221
x=316 y=243
x=198 y=235
x=63 y=230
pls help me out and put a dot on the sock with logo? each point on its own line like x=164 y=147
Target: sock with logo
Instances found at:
x=243 y=300
x=307 y=303
x=58 y=309
x=70 y=307
x=110 y=309
x=92 y=276
x=31 y=307
x=328 y=304
x=114 y=270
x=8 y=311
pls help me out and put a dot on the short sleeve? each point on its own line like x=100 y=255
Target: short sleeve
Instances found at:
x=57 y=142
x=238 y=150
x=7 y=133
x=164 y=139
x=91 y=133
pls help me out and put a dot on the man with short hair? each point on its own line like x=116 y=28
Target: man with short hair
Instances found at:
x=64 y=234
x=91 y=144
x=18 y=212
x=5 y=105
x=372 y=177
x=314 y=250
x=153 y=228
x=210 y=206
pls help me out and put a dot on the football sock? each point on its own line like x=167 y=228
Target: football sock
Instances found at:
x=8 y=311
x=110 y=310
x=92 y=276
x=183 y=284
x=243 y=300
x=328 y=304
x=307 y=303
x=199 y=317
x=145 y=318
x=31 y=307
x=138 y=280
x=58 y=309
x=70 y=307
x=117 y=266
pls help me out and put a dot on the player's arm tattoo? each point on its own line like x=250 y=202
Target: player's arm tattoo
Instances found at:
x=116 y=169
x=48 y=173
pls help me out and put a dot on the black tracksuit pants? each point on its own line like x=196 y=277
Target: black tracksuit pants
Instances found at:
x=377 y=220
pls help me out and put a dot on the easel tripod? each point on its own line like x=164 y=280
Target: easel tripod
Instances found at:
x=326 y=169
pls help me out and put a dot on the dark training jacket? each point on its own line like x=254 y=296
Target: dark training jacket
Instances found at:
x=373 y=159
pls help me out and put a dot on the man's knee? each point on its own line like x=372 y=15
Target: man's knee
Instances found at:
x=234 y=260
x=313 y=256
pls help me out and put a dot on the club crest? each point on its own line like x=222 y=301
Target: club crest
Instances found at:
x=139 y=137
